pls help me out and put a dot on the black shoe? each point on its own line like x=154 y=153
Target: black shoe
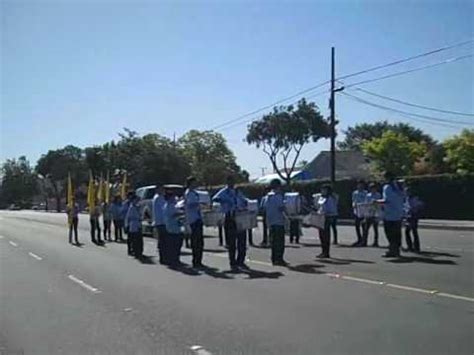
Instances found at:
x=280 y=263
x=323 y=256
x=356 y=244
x=390 y=255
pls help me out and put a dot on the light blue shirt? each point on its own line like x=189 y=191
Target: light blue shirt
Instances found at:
x=133 y=219
x=116 y=209
x=173 y=225
x=274 y=207
x=158 y=205
x=371 y=197
x=394 y=199
x=227 y=197
x=358 y=196
x=327 y=205
x=241 y=200
x=191 y=206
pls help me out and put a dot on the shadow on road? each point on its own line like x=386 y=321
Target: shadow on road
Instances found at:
x=339 y=261
x=258 y=274
x=310 y=244
x=434 y=254
x=306 y=268
x=417 y=259
x=147 y=260
x=210 y=250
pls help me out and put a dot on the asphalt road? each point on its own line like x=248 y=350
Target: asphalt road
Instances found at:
x=61 y=299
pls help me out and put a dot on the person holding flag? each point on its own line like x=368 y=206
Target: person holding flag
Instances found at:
x=94 y=211
x=72 y=211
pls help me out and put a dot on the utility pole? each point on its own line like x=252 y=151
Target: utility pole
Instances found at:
x=332 y=106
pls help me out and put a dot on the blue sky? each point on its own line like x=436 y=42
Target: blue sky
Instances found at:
x=77 y=72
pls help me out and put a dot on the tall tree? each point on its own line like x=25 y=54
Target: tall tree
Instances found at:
x=283 y=133
x=360 y=133
x=18 y=182
x=55 y=165
x=210 y=158
x=394 y=152
x=460 y=151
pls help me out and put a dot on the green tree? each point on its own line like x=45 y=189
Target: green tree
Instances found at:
x=460 y=151
x=394 y=152
x=360 y=133
x=18 y=182
x=283 y=133
x=54 y=167
x=210 y=159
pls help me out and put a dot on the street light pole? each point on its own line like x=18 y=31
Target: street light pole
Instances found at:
x=333 y=120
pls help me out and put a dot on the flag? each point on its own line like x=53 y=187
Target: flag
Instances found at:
x=123 y=191
x=91 y=193
x=70 y=197
x=107 y=189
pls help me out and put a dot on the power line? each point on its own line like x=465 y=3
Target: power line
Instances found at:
x=438 y=50
x=447 y=61
x=434 y=120
x=442 y=49
x=415 y=105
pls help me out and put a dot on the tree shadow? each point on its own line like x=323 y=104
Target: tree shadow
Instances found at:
x=417 y=259
x=306 y=268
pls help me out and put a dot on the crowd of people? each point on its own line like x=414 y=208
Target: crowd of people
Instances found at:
x=395 y=205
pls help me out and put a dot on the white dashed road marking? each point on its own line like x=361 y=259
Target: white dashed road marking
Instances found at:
x=358 y=279
x=456 y=297
x=413 y=289
x=33 y=255
x=199 y=350
x=13 y=243
x=83 y=284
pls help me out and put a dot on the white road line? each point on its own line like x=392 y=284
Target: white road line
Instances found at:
x=457 y=297
x=35 y=256
x=83 y=284
x=199 y=350
x=414 y=289
x=367 y=281
x=13 y=243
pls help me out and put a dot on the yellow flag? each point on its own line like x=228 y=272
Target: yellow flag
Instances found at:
x=91 y=193
x=100 y=191
x=107 y=189
x=123 y=191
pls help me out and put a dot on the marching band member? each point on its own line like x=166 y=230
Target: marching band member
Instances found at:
x=94 y=216
x=358 y=196
x=413 y=207
x=158 y=222
x=174 y=235
x=194 y=219
x=107 y=219
x=116 y=210
x=326 y=205
x=275 y=208
x=372 y=221
x=133 y=224
x=73 y=219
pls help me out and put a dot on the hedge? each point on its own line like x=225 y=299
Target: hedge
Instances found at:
x=446 y=196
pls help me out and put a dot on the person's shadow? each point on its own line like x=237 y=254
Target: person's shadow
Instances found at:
x=259 y=274
x=417 y=259
x=306 y=268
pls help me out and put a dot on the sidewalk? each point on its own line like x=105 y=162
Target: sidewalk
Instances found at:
x=431 y=224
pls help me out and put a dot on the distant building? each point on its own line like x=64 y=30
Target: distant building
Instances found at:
x=349 y=165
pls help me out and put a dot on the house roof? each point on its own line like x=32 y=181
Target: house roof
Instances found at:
x=268 y=178
x=349 y=164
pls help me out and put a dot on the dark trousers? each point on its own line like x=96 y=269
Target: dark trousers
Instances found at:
x=393 y=231
x=161 y=236
x=137 y=243
x=174 y=243
x=374 y=223
x=129 y=242
x=265 y=230
x=333 y=227
x=73 y=227
x=250 y=235
x=197 y=242
x=236 y=242
x=107 y=231
x=221 y=235
x=411 y=227
x=118 y=229
x=294 y=230
x=359 y=227
x=325 y=236
x=95 y=230
x=277 y=235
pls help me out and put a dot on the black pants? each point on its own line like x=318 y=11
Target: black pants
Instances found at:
x=236 y=242
x=411 y=227
x=333 y=226
x=95 y=230
x=325 y=236
x=118 y=229
x=294 y=230
x=161 y=237
x=374 y=223
x=265 y=230
x=129 y=242
x=107 y=230
x=221 y=235
x=250 y=235
x=277 y=235
x=359 y=227
x=393 y=231
x=73 y=227
x=137 y=243
x=197 y=242
x=174 y=243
